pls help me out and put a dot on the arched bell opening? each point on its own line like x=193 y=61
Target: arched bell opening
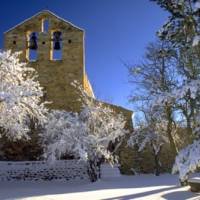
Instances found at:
x=56 y=45
x=32 y=41
x=45 y=25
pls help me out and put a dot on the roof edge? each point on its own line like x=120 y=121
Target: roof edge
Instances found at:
x=117 y=106
x=40 y=12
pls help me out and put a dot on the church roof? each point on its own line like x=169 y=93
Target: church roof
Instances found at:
x=41 y=13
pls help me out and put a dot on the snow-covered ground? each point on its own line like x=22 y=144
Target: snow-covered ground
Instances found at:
x=140 y=187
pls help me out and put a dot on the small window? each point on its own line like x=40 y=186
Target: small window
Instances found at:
x=32 y=46
x=56 y=47
x=45 y=25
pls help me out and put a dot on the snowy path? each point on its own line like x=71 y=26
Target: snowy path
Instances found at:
x=144 y=187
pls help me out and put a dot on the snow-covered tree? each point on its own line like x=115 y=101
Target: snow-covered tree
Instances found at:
x=155 y=79
x=187 y=161
x=86 y=135
x=150 y=135
x=182 y=27
x=63 y=133
x=182 y=30
x=166 y=88
x=20 y=97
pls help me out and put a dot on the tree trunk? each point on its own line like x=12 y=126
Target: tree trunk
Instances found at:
x=157 y=161
x=183 y=183
x=189 y=128
x=169 y=129
x=94 y=170
x=157 y=165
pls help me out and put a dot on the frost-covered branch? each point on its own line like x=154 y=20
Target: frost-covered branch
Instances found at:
x=151 y=137
x=86 y=135
x=187 y=161
x=20 y=96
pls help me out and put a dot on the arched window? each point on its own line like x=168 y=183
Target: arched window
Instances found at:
x=32 y=46
x=45 y=25
x=56 y=47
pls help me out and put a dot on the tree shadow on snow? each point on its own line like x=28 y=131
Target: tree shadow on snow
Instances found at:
x=14 y=190
x=170 y=194
x=142 y=194
x=181 y=195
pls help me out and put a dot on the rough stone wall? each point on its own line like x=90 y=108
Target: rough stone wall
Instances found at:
x=87 y=86
x=143 y=162
x=133 y=162
x=125 y=112
x=54 y=75
x=125 y=154
x=40 y=170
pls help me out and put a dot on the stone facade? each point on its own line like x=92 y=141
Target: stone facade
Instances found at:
x=55 y=76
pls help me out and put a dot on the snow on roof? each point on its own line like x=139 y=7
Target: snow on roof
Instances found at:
x=41 y=12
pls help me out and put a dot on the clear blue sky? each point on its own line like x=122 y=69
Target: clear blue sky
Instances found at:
x=116 y=31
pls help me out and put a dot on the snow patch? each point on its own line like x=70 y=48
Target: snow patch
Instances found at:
x=141 y=187
x=196 y=39
x=109 y=171
x=197 y=5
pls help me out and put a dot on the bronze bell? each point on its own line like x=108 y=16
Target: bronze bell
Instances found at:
x=33 y=42
x=57 y=46
x=57 y=39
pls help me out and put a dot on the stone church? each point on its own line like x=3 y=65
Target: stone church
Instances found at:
x=55 y=48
